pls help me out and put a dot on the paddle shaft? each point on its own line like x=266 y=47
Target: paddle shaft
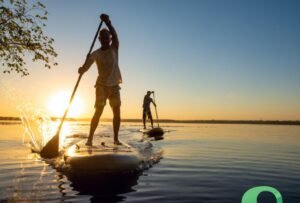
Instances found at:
x=68 y=107
x=51 y=149
x=156 y=110
x=78 y=80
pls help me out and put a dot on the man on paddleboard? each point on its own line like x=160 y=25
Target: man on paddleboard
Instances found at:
x=146 y=108
x=109 y=78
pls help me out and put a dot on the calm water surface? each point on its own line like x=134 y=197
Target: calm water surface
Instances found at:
x=207 y=163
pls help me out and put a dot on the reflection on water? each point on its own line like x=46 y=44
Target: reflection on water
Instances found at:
x=29 y=180
x=105 y=188
x=201 y=163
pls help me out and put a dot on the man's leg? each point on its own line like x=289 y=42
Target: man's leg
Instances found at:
x=115 y=103
x=116 y=123
x=151 y=122
x=94 y=124
x=150 y=117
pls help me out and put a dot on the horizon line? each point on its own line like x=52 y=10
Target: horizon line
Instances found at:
x=207 y=121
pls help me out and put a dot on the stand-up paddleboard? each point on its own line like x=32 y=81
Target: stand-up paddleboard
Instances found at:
x=154 y=132
x=102 y=157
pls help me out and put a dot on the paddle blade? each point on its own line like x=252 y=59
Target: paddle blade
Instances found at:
x=51 y=148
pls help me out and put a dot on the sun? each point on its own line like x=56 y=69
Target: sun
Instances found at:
x=58 y=103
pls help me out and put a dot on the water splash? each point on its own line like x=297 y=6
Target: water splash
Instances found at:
x=38 y=126
x=150 y=153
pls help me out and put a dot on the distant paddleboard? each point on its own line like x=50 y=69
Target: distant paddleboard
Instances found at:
x=103 y=157
x=154 y=132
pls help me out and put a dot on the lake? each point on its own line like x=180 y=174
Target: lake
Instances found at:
x=205 y=163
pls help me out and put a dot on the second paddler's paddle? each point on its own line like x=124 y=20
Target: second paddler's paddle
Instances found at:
x=156 y=109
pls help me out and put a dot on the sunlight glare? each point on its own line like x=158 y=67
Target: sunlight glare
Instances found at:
x=58 y=103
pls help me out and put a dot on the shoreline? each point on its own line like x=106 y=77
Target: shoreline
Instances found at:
x=212 y=121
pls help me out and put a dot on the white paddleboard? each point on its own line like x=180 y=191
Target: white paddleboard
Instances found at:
x=103 y=156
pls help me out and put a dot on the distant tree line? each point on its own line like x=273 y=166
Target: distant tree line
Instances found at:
x=262 y=122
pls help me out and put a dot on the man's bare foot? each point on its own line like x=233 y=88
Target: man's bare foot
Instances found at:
x=89 y=143
x=117 y=142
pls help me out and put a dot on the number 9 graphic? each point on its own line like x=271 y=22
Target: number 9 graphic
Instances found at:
x=251 y=195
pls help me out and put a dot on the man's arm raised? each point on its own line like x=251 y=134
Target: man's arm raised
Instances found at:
x=115 y=40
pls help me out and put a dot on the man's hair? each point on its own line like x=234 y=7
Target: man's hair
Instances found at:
x=104 y=30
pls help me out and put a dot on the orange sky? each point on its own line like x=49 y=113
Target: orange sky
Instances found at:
x=202 y=64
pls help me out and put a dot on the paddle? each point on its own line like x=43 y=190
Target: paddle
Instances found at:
x=51 y=149
x=156 y=110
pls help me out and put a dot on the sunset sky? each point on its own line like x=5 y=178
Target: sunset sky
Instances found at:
x=204 y=59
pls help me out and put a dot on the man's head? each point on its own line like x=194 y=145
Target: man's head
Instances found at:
x=149 y=92
x=104 y=37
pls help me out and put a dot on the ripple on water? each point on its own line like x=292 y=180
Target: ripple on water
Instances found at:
x=214 y=164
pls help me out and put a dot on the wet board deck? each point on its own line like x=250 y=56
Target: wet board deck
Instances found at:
x=103 y=156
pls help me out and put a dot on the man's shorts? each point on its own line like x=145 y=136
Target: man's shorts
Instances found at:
x=147 y=112
x=111 y=93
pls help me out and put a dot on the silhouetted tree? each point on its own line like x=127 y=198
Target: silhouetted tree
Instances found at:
x=21 y=35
